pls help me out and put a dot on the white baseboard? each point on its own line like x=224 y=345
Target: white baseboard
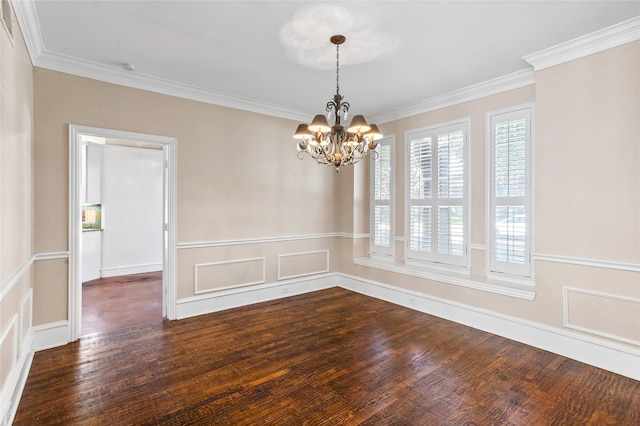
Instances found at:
x=50 y=335
x=129 y=270
x=12 y=390
x=233 y=298
x=607 y=355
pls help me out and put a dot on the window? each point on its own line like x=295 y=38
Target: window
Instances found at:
x=436 y=200
x=382 y=198
x=509 y=166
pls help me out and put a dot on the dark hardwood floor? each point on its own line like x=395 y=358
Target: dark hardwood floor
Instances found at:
x=330 y=357
x=115 y=303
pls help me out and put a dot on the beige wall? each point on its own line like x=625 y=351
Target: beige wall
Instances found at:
x=238 y=177
x=587 y=195
x=587 y=202
x=588 y=133
x=16 y=127
x=16 y=205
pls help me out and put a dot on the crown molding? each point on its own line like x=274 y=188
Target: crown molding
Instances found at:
x=469 y=93
x=606 y=38
x=28 y=20
x=40 y=57
x=116 y=75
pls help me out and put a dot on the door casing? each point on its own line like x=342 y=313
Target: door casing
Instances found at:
x=169 y=292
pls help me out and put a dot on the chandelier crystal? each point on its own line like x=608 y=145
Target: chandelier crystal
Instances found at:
x=335 y=145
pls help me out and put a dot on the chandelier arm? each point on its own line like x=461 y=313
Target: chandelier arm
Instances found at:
x=344 y=106
x=325 y=153
x=326 y=158
x=357 y=154
x=320 y=159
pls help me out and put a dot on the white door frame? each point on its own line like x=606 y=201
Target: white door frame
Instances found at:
x=75 y=219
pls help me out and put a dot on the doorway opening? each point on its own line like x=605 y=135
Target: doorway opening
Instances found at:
x=95 y=205
x=122 y=301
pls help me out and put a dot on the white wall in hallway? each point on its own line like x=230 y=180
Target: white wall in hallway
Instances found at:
x=131 y=210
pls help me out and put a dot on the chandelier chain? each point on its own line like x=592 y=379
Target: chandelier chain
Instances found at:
x=337 y=69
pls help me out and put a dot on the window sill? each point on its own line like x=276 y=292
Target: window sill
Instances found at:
x=517 y=287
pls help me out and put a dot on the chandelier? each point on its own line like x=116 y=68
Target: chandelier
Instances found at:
x=337 y=146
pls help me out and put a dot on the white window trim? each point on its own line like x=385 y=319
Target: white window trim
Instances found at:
x=437 y=267
x=504 y=277
x=376 y=250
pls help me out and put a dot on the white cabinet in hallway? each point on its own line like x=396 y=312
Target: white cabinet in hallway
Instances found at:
x=91 y=254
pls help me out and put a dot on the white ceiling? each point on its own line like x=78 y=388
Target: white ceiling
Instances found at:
x=275 y=56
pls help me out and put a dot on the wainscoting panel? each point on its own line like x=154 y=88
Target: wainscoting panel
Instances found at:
x=8 y=349
x=294 y=265
x=225 y=275
x=8 y=372
x=26 y=309
x=233 y=298
x=16 y=354
x=586 y=311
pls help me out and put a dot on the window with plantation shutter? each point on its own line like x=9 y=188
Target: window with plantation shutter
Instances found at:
x=509 y=215
x=436 y=201
x=382 y=198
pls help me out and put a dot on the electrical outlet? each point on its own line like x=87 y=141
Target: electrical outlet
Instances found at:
x=285 y=290
x=412 y=301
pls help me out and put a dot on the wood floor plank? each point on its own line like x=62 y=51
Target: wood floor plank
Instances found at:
x=331 y=357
